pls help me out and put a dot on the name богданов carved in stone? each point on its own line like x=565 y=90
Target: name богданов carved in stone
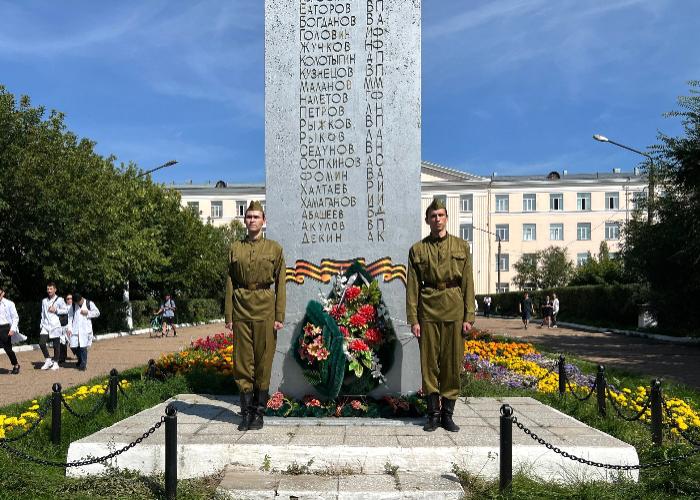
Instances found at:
x=327 y=54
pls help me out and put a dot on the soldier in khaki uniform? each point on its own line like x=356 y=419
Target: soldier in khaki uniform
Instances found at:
x=440 y=309
x=254 y=308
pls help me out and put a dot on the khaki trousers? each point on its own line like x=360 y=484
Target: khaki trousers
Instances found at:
x=441 y=356
x=253 y=352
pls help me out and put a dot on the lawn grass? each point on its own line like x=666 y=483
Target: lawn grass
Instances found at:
x=680 y=480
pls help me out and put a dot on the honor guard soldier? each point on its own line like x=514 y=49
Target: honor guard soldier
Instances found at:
x=254 y=308
x=440 y=309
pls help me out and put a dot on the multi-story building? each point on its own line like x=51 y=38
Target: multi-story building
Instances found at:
x=526 y=213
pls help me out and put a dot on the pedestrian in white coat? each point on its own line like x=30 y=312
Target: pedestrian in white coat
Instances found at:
x=50 y=328
x=9 y=320
x=80 y=318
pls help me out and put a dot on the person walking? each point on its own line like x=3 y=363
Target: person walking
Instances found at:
x=64 y=330
x=167 y=309
x=546 y=313
x=9 y=324
x=80 y=317
x=440 y=310
x=526 y=309
x=487 y=306
x=254 y=309
x=555 y=309
x=50 y=327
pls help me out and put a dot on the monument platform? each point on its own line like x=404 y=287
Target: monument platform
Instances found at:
x=208 y=442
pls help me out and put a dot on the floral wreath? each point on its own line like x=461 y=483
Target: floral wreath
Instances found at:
x=346 y=345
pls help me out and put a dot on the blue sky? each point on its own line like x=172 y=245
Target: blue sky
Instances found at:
x=511 y=86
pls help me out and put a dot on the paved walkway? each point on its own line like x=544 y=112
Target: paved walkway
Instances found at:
x=120 y=353
x=635 y=354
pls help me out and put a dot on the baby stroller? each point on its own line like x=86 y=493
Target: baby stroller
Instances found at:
x=156 y=326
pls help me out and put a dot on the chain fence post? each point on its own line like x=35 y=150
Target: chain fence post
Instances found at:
x=170 y=452
x=656 y=412
x=151 y=371
x=113 y=388
x=56 y=414
x=601 y=387
x=562 y=375
x=506 y=449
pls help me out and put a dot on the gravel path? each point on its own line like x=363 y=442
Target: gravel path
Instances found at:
x=120 y=353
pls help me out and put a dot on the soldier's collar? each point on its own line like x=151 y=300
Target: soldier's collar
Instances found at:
x=437 y=238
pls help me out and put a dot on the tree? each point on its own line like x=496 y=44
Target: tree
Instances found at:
x=664 y=252
x=548 y=268
x=603 y=270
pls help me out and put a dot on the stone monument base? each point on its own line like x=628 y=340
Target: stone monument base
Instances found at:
x=208 y=442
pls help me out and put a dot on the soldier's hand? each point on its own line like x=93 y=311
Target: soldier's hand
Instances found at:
x=229 y=326
x=466 y=326
x=278 y=325
x=415 y=330
x=84 y=312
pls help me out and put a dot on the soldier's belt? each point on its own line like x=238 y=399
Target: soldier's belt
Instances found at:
x=254 y=286
x=442 y=285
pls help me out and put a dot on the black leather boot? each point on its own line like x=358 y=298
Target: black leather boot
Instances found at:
x=257 y=413
x=433 y=401
x=448 y=409
x=246 y=407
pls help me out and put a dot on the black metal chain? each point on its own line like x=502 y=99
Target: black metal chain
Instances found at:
x=42 y=413
x=675 y=425
x=549 y=446
x=587 y=396
x=618 y=410
x=82 y=463
x=97 y=407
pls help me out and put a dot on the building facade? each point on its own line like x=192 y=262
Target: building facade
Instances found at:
x=526 y=213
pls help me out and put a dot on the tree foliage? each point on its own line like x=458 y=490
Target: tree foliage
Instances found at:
x=665 y=252
x=600 y=270
x=70 y=215
x=548 y=268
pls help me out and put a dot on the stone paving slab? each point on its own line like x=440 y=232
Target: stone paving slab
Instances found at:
x=248 y=484
x=208 y=441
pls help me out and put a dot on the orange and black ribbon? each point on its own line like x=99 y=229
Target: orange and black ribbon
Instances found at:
x=330 y=267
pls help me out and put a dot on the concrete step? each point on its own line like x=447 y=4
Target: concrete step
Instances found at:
x=242 y=483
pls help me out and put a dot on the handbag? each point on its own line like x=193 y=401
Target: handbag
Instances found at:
x=63 y=319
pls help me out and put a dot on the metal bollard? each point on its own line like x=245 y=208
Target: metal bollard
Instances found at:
x=656 y=412
x=600 y=387
x=170 y=452
x=506 y=451
x=113 y=388
x=562 y=375
x=151 y=371
x=56 y=414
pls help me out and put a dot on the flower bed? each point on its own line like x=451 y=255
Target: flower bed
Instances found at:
x=310 y=406
x=8 y=424
x=520 y=365
x=212 y=354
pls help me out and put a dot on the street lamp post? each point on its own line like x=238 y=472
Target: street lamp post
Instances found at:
x=650 y=200
x=498 y=256
x=164 y=165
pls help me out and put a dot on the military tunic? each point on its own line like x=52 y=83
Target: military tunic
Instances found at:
x=440 y=297
x=255 y=299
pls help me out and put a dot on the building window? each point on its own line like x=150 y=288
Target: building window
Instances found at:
x=217 y=209
x=240 y=208
x=502 y=287
x=502 y=264
x=583 y=201
x=612 y=201
x=467 y=202
x=614 y=255
x=502 y=202
x=529 y=203
x=556 y=232
x=638 y=199
x=583 y=231
x=529 y=232
x=467 y=232
x=530 y=257
x=582 y=258
x=612 y=231
x=556 y=202
x=194 y=206
x=529 y=287
x=502 y=232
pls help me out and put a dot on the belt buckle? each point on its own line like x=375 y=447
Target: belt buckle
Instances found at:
x=253 y=286
x=441 y=286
